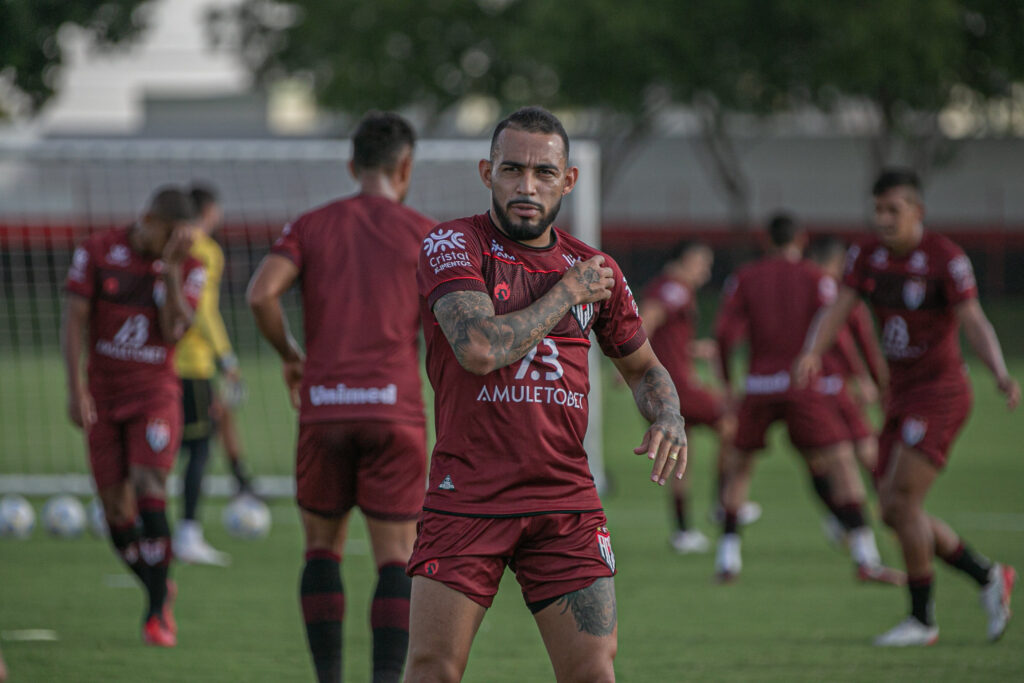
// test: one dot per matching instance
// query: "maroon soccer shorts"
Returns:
(811, 417)
(551, 554)
(143, 433)
(378, 465)
(926, 420)
(853, 416)
(699, 406)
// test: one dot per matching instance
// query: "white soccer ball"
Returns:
(17, 518)
(97, 519)
(247, 517)
(64, 517)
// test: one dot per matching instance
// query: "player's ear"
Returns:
(571, 175)
(485, 167)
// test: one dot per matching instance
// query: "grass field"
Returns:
(795, 615)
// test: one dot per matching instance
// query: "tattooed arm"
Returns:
(656, 397)
(483, 341)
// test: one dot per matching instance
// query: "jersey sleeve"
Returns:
(618, 327)
(208, 320)
(289, 243)
(81, 278)
(854, 274)
(451, 260)
(730, 324)
(958, 281)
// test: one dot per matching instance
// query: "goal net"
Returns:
(54, 193)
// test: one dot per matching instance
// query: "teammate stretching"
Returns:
(773, 302)
(668, 308)
(134, 291)
(508, 306)
(921, 287)
(362, 437)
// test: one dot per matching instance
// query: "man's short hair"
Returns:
(531, 120)
(684, 247)
(203, 195)
(172, 204)
(897, 176)
(379, 141)
(782, 229)
(825, 248)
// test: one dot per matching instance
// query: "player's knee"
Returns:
(430, 666)
(895, 506)
(597, 669)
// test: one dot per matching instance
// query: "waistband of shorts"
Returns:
(511, 515)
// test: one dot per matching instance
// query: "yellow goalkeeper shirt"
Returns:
(197, 353)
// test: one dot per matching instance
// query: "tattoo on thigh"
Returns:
(593, 607)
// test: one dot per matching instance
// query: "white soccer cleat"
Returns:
(834, 532)
(995, 599)
(689, 542)
(190, 547)
(728, 560)
(908, 633)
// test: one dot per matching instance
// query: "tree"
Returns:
(30, 53)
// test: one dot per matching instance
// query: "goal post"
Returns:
(53, 193)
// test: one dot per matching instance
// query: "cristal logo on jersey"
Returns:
(118, 255)
(880, 258)
(158, 434)
(443, 240)
(604, 546)
(913, 293)
(499, 251)
(896, 340)
(502, 291)
(674, 294)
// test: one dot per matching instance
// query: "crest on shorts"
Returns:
(604, 544)
(913, 430)
(446, 484)
(158, 434)
(913, 293)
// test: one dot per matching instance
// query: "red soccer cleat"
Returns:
(155, 632)
(879, 573)
(168, 611)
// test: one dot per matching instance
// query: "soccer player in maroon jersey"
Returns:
(668, 307)
(773, 302)
(922, 289)
(132, 292)
(508, 304)
(362, 438)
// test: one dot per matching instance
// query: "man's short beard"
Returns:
(524, 231)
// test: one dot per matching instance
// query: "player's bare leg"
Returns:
(150, 488)
(442, 625)
(750, 511)
(684, 540)
(739, 469)
(866, 451)
(322, 593)
(902, 494)
(580, 632)
(228, 430)
(389, 612)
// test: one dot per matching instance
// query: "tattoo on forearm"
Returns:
(593, 607)
(468, 321)
(655, 394)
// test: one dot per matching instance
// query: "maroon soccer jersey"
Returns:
(356, 259)
(774, 301)
(511, 442)
(843, 360)
(128, 356)
(914, 297)
(672, 338)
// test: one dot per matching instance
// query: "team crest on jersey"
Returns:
(913, 293)
(880, 258)
(918, 263)
(583, 314)
(118, 255)
(158, 434)
(446, 484)
(570, 259)
(604, 544)
(502, 291)
(913, 430)
(443, 240)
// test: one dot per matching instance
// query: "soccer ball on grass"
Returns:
(247, 517)
(64, 517)
(17, 518)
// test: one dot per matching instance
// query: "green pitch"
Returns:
(795, 615)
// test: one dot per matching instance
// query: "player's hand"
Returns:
(703, 349)
(665, 444)
(81, 409)
(807, 365)
(589, 281)
(1011, 390)
(293, 370)
(867, 392)
(233, 391)
(177, 247)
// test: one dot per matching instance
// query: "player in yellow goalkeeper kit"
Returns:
(203, 351)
